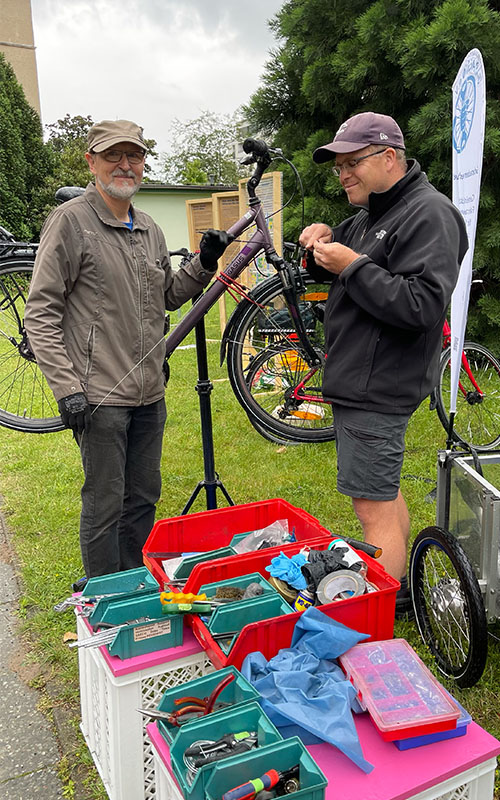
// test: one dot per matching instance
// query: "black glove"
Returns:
(212, 245)
(75, 412)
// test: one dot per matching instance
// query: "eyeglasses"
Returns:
(115, 156)
(352, 163)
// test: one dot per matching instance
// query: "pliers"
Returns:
(196, 706)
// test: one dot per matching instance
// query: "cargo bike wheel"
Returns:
(448, 605)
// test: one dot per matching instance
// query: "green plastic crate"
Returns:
(243, 718)
(128, 581)
(237, 693)
(281, 756)
(157, 633)
(239, 583)
(234, 616)
(183, 571)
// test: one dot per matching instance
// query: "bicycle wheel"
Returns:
(26, 401)
(477, 421)
(449, 608)
(271, 380)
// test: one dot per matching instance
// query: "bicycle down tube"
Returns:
(261, 239)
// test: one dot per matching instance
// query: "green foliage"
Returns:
(201, 150)
(337, 58)
(24, 159)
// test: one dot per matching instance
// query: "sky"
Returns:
(149, 60)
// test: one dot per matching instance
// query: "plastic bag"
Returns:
(303, 686)
(271, 536)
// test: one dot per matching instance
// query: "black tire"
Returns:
(477, 421)
(264, 364)
(26, 401)
(449, 608)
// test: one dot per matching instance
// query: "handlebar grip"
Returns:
(255, 146)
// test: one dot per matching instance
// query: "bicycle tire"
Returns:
(264, 364)
(449, 608)
(26, 401)
(477, 421)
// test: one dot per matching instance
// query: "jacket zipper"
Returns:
(141, 315)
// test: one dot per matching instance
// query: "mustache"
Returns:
(123, 173)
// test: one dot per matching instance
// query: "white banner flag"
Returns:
(469, 110)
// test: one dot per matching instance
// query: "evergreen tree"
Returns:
(24, 159)
(397, 57)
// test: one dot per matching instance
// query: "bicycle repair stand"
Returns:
(211, 481)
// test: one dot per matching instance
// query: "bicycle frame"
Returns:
(465, 363)
(260, 240)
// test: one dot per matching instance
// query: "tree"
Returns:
(24, 159)
(202, 150)
(398, 57)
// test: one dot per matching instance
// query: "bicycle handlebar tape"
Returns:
(255, 146)
(249, 789)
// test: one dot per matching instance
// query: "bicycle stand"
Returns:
(211, 481)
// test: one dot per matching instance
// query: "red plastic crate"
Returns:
(209, 530)
(371, 613)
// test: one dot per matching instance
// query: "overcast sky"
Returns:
(149, 60)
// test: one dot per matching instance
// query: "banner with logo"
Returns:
(469, 110)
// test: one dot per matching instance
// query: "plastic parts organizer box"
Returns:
(208, 530)
(403, 697)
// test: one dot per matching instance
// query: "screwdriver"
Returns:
(248, 790)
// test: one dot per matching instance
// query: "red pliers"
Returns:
(196, 706)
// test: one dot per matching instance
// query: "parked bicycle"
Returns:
(274, 343)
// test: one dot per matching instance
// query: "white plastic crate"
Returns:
(113, 729)
(476, 783)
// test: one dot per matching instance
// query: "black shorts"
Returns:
(370, 450)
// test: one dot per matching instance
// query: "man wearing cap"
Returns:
(393, 267)
(95, 319)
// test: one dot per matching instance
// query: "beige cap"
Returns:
(113, 131)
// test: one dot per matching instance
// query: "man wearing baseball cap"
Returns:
(95, 318)
(393, 267)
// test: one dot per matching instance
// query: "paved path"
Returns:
(29, 752)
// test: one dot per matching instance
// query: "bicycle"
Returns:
(274, 343)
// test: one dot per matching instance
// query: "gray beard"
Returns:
(118, 192)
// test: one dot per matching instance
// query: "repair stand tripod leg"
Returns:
(211, 481)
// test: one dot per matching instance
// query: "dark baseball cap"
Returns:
(113, 131)
(360, 131)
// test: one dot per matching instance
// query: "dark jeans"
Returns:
(121, 461)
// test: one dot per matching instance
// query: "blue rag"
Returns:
(302, 685)
(288, 569)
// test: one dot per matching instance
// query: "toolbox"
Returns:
(130, 581)
(230, 619)
(142, 636)
(208, 530)
(185, 568)
(282, 756)
(418, 741)
(211, 728)
(402, 696)
(237, 693)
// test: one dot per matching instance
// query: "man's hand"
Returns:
(333, 257)
(212, 245)
(75, 412)
(317, 232)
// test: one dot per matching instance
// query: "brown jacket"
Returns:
(96, 307)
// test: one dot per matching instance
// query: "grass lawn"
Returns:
(40, 478)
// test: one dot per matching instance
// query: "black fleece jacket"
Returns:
(385, 312)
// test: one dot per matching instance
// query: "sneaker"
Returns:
(404, 605)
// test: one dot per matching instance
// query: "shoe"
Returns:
(80, 584)
(404, 605)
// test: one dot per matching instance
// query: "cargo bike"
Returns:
(454, 568)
